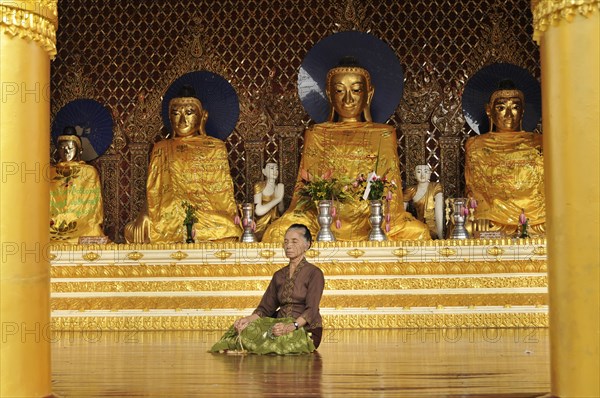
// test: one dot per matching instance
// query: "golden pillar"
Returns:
(569, 37)
(27, 43)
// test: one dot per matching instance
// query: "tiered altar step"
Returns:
(409, 284)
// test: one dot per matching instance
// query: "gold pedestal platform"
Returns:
(409, 284)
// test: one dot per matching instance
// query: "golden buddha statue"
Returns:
(191, 167)
(504, 169)
(428, 199)
(75, 193)
(268, 199)
(349, 144)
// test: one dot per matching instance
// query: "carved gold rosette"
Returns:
(550, 12)
(31, 20)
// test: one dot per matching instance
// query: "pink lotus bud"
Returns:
(388, 218)
(355, 184)
(245, 222)
(236, 220)
(465, 211)
(522, 218)
(389, 195)
(387, 227)
(333, 211)
(473, 203)
(253, 226)
(338, 223)
(193, 233)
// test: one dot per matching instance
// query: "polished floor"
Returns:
(349, 363)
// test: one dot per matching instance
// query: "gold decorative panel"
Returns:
(126, 53)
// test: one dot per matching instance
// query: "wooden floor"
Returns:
(349, 363)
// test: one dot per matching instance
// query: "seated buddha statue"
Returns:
(428, 200)
(268, 199)
(346, 145)
(75, 193)
(191, 167)
(504, 169)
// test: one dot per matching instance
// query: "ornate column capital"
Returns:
(31, 20)
(551, 12)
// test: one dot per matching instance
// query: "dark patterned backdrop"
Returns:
(125, 55)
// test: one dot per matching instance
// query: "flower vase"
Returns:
(248, 223)
(189, 228)
(325, 219)
(376, 220)
(459, 216)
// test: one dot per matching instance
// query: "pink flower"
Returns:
(327, 175)
(355, 184)
(388, 218)
(338, 223)
(473, 203)
(333, 211)
(374, 178)
(389, 195)
(253, 226)
(245, 222)
(305, 175)
(464, 211)
(387, 227)
(236, 220)
(522, 218)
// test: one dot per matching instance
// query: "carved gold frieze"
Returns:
(550, 12)
(312, 253)
(329, 269)
(540, 251)
(400, 252)
(32, 21)
(330, 322)
(328, 301)
(374, 284)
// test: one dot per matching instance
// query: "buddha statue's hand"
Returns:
(138, 230)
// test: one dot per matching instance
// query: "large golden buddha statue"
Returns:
(349, 144)
(504, 168)
(193, 167)
(75, 193)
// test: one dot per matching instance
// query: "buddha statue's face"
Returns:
(67, 151)
(349, 94)
(422, 173)
(185, 118)
(271, 171)
(506, 113)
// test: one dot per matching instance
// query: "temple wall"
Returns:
(125, 54)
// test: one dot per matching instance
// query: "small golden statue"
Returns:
(428, 199)
(75, 193)
(347, 145)
(504, 168)
(191, 167)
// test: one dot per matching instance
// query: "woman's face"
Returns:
(294, 244)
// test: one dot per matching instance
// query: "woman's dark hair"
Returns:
(303, 229)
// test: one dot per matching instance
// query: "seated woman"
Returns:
(75, 194)
(504, 169)
(428, 199)
(191, 167)
(347, 147)
(287, 320)
(268, 199)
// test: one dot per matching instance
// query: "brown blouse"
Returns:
(296, 296)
